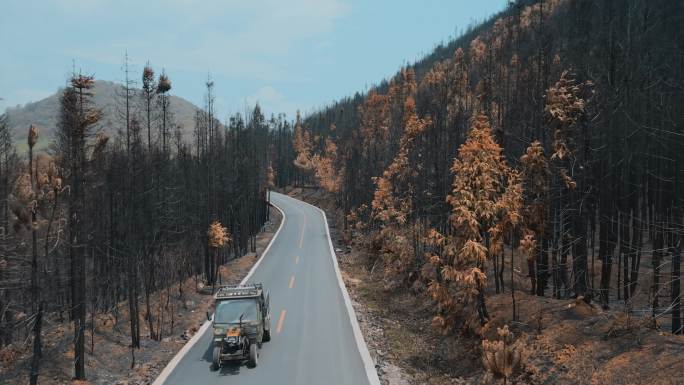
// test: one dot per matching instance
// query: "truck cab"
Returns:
(241, 323)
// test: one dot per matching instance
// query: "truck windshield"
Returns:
(229, 311)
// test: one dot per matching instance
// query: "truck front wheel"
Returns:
(216, 358)
(253, 355)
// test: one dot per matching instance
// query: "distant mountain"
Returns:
(45, 113)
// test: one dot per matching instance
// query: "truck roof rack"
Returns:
(239, 291)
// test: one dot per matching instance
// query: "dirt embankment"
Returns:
(109, 357)
(566, 341)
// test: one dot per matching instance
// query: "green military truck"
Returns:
(241, 322)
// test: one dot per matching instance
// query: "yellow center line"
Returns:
(301, 237)
(280, 321)
(291, 285)
(296, 259)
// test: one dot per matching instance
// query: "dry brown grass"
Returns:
(568, 341)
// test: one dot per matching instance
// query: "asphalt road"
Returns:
(313, 339)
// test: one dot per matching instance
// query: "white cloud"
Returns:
(240, 41)
(232, 38)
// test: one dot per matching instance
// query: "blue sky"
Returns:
(285, 54)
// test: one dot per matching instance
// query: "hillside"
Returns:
(536, 160)
(44, 114)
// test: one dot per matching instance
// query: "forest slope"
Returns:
(547, 144)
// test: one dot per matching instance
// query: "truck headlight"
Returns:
(219, 331)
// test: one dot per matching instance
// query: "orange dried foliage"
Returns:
(355, 218)
(148, 76)
(302, 145)
(536, 173)
(9, 355)
(393, 196)
(457, 85)
(565, 105)
(528, 245)
(567, 179)
(83, 82)
(388, 203)
(409, 85)
(478, 50)
(32, 136)
(270, 175)
(324, 165)
(530, 15)
(374, 115)
(218, 235)
(515, 60)
(486, 200)
(39, 196)
(101, 141)
(164, 84)
(504, 357)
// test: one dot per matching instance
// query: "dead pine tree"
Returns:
(132, 132)
(536, 174)
(566, 107)
(148, 95)
(6, 154)
(78, 116)
(35, 286)
(163, 87)
(675, 294)
(32, 139)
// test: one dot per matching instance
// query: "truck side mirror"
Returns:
(208, 316)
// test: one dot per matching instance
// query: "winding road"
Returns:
(316, 338)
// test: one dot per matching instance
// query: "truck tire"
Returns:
(267, 336)
(253, 355)
(216, 358)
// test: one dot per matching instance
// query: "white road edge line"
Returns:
(164, 375)
(368, 364)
